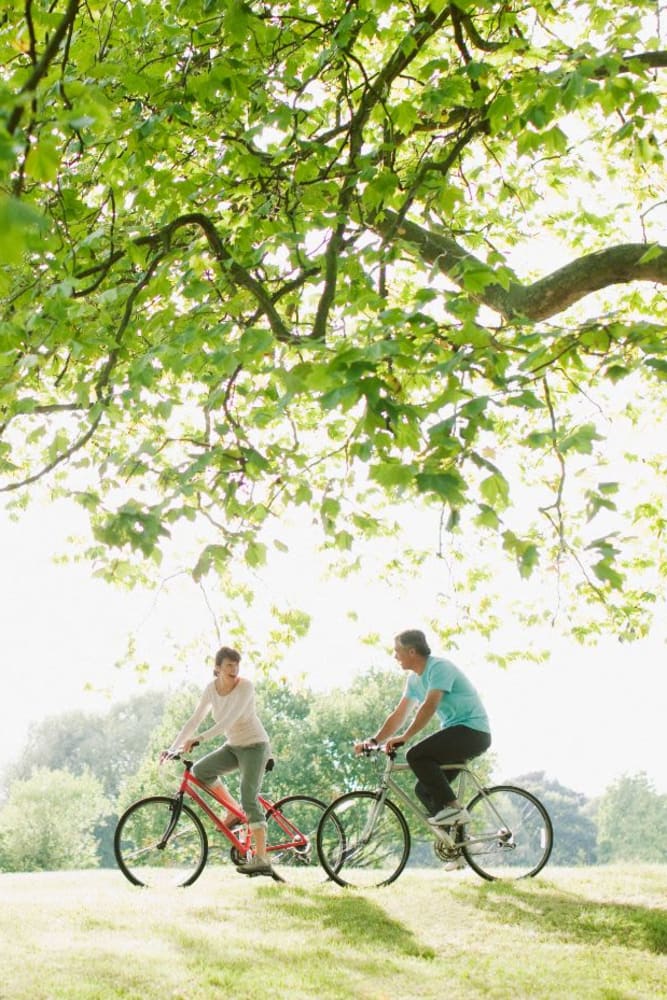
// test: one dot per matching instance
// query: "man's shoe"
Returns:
(456, 864)
(449, 816)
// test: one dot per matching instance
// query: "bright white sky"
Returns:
(586, 718)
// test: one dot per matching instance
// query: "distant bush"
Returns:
(49, 822)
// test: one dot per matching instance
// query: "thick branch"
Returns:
(544, 298)
(238, 273)
(617, 265)
(425, 26)
(656, 60)
(223, 256)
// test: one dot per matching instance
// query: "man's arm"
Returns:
(423, 716)
(393, 722)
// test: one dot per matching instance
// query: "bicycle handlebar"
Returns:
(175, 754)
(369, 748)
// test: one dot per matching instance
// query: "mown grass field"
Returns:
(590, 932)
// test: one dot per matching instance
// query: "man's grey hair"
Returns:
(414, 638)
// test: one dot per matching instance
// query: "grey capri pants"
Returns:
(250, 761)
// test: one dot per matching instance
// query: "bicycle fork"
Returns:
(176, 808)
(369, 826)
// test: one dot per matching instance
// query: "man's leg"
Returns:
(452, 745)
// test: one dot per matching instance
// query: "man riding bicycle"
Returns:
(439, 688)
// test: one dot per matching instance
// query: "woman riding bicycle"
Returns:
(231, 700)
(441, 689)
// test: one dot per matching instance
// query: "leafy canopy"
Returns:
(332, 256)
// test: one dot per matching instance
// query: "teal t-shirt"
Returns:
(460, 704)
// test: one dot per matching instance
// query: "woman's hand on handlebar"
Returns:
(393, 743)
(175, 754)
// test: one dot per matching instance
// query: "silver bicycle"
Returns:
(363, 837)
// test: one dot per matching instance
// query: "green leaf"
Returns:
(652, 253)
(449, 486)
(487, 517)
(524, 551)
(391, 475)
(17, 221)
(495, 489)
(213, 557)
(255, 554)
(43, 161)
(605, 571)
(657, 365)
(580, 440)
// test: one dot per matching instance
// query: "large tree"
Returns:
(328, 254)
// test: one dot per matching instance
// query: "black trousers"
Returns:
(455, 744)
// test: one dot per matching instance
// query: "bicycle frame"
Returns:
(195, 789)
(445, 834)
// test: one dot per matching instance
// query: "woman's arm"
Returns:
(191, 726)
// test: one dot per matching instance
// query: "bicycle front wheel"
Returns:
(143, 855)
(363, 840)
(510, 835)
(291, 839)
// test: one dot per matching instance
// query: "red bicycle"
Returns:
(161, 841)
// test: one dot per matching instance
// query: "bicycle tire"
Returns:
(296, 864)
(510, 835)
(139, 832)
(353, 855)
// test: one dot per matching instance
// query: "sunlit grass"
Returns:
(598, 933)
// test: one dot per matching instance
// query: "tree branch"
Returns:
(543, 298)
(42, 66)
(425, 26)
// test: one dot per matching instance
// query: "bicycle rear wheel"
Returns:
(291, 839)
(363, 841)
(141, 854)
(510, 835)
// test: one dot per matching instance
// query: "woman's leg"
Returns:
(452, 745)
(209, 768)
(252, 763)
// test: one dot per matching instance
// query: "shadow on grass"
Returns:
(573, 917)
(328, 943)
(354, 919)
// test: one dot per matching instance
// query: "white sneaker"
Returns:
(456, 864)
(449, 816)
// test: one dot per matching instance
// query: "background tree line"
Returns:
(62, 796)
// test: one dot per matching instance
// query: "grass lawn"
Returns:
(589, 932)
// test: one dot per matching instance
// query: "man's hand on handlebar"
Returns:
(369, 745)
(393, 743)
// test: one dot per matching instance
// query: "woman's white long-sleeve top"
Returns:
(235, 717)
